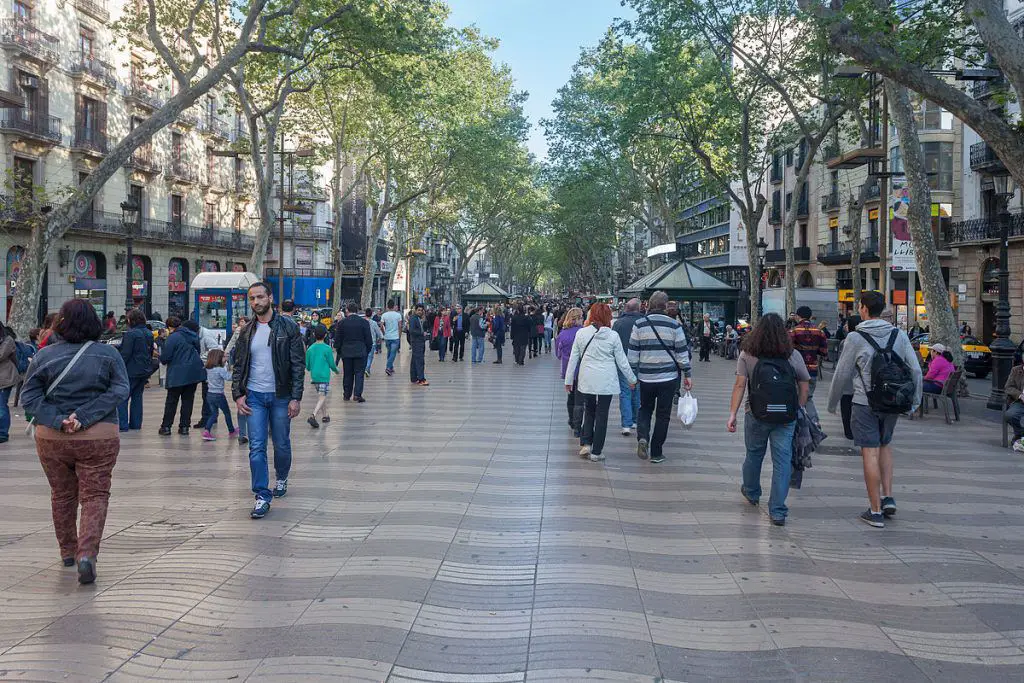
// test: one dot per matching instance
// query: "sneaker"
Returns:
(779, 521)
(633, 426)
(233, 433)
(1018, 445)
(389, 372)
(313, 423)
(626, 431)
(873, 519)
(359, 399)
(208, 436)
(325, 419)
(752, 501)
(366, 373)
(657, 459)
(584, 451)
(197, 425)
(888, 506)
(183, 431)
(423, 383)
(641, 449)
(596, 457)
(243, 440)
(260, 509)
(281, 488)
(164, 431)
(86, 570)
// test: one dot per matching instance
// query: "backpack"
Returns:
(774, 396)
(23, 355)
(892, 386)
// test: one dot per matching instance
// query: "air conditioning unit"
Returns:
(28, 80)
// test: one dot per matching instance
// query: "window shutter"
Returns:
(79, 116)
(101, 120)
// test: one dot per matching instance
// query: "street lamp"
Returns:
(762, 250)
(1002, 348)
(129, 219)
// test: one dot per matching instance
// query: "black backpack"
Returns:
(774, 397)
(892, 385)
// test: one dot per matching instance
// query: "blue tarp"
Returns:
(305, 290)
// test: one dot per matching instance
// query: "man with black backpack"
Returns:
(881, 365)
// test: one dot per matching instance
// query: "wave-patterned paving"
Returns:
(452, 534)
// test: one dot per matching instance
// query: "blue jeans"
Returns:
(442, 347)
(548, 334)
(477, 350)
(369, 360)
(756, 435)
(129, 413)
(392, 345)
(5, 413)
(629, 402)
(218, 402)
(269, 413)
(243, 424)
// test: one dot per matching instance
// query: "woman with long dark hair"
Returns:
(73, 390)
(778, 378)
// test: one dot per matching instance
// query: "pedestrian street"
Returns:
(452, 533)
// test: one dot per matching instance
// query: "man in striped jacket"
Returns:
(659, 355)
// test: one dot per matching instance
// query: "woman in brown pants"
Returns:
(73, 390)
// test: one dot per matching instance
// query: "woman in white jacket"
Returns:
(594, 365)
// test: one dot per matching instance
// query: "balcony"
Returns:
(89, 141)
(984, 159)
(239, 134)
(97, 9)
(215, 127)
(303, 231)
(30, 125)
(830, 200)
(984, 89)
(22, 37)
(874, 192)
(106, 223)
(982, 230)
(143, 161)
(305, 190)
(90, 68)
(180, 171)
(778, 256)
(842, 252)
(144, 95)
(188, 118)
(302, 272)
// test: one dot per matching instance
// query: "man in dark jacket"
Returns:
(354, 341)
(519, 330)
(269, 374)
(478, 332)
(418, 346)
(184, 373)
(460, 326)
(137, 352)
(629, 399)
(536, 331)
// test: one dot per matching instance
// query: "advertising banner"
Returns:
(401, 276)
(902, 257)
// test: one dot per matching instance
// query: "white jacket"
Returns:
(602, 363)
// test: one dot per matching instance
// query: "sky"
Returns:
(540, 42)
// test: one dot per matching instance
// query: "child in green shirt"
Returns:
(320, 363)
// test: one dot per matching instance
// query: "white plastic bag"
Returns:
(687, 409)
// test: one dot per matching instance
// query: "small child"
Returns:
(320, 363)
(216, 376)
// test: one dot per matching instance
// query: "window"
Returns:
(789, 201)
(135, 192)
(137, 71)
(86, 41)
(177, 208)
(942, 219)
(938, 164)
(90, 116)
(801, 155)
(777, 239)
(930, 116)
(238, 220)
(895, 160)
(211, 164)
(789, 157)
(210, 215)
(803, 234)
(176, 141)
(22, 10)
(776, 204)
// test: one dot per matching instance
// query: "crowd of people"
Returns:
(81, 394)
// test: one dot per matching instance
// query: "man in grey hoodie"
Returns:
(629, 399)
(872, 431)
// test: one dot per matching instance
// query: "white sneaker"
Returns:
(584, 451)
(1018, 445)
(626, 431)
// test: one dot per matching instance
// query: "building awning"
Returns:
(486, 291)
(684, 281)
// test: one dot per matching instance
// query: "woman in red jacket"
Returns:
(442, 332)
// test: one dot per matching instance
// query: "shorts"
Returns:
(322, 388)
(871, 429)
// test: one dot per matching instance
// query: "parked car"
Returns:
(977, 356)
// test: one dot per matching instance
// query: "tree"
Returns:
(197, 45)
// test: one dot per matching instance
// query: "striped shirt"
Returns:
(650, 360)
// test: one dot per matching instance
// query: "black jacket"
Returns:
(538, 324)
(137, 351)
(353, 337)
(416, 334)
(287, 352)
(181, 356)
(520, 329)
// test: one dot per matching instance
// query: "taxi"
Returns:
(977, 356)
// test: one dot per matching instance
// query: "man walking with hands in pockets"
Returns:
(270, 369)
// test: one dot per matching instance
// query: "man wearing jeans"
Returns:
(629, 399)
(392, 321)
(270, 368)
(658, 354)
(478, 331)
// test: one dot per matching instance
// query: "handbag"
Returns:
(435, 343)
(31, 428)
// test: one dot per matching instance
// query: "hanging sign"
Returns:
(400, 277)
(903, 257)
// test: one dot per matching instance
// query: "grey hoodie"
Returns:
(854, 367)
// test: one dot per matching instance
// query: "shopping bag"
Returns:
(687, 409)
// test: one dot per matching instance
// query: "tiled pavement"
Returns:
(452, 534)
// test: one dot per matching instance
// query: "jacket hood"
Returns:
(187, 332)
(876, 327)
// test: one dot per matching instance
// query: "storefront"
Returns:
(142, 289)
(177, 288)
(90, 273)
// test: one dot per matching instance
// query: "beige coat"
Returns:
(8, 364)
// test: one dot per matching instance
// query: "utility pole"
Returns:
(280, 225)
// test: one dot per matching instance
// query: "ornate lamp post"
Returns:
(762, 250)
(129, 219)
(1002, 348)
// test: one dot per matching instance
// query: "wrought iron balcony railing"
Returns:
(31, 124)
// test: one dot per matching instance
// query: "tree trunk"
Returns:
(941, 321)
(750, 221)
(338, 211)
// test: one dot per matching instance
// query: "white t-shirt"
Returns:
(549, 321)
(392, 321)
(261, 361)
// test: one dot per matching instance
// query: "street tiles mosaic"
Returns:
(451, 533)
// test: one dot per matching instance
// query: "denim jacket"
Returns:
(92, 389)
